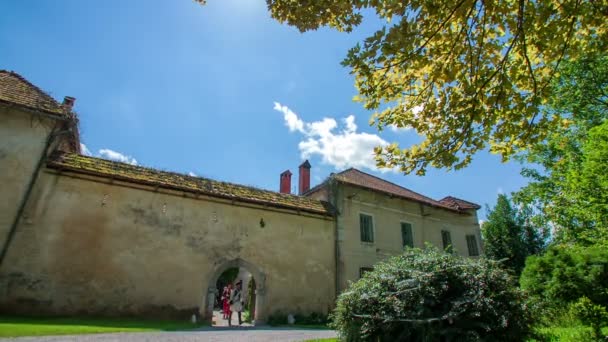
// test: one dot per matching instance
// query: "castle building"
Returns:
(83, 235)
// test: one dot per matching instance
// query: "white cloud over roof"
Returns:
(341, 148)
(116, 156)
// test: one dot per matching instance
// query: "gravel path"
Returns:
(206, 334)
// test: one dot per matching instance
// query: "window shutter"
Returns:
(362, 226)
(472, 245)
(406, 235)
(366, 224)
(447, 241)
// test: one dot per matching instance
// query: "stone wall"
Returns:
(91, 245)
(22, 139)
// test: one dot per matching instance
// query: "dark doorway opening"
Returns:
(224, 313)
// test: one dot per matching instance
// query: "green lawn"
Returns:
(573, 333)
(29, 326)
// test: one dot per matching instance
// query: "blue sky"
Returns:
(222, 91)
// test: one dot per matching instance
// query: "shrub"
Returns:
(566, 273)
(277, 318)
(431, 295)
(314, 318)
(591, 314)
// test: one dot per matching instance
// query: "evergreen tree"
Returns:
(509, 236)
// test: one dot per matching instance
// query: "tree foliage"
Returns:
(591, 314)
(569, 178)
(465, 74)
(430, 295)
(509, 236)
(566, 273)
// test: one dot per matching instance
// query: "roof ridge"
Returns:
(454, 198)
(349, 169)
(386, 181)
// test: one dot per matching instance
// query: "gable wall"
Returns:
(22, 139)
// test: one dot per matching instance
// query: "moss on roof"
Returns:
(17, 90)
(170, 180)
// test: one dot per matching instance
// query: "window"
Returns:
(446, 238)
(364, 270)
(406, 235)
(472, 245)
(367, 228)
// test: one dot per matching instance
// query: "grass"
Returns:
(572, 333)
(39, 326)
(324, 340)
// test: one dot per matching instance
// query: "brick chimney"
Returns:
(304, 177)
(285, 182)
(68, 102)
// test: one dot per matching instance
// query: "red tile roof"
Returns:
(17, 90)
(459, 203)
(197, 185)
(359, 178)
(362, 179)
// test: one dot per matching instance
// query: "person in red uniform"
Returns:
(226, 301)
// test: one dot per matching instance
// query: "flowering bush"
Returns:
(431, 295)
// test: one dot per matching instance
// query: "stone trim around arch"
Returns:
(260, 280)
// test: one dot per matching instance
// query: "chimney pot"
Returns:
(68, 102)
(285, 184)
(304, 177)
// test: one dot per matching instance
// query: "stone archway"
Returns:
(260, 291)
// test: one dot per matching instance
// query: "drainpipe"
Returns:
(11, 233)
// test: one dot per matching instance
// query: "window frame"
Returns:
(411, 233)
(373, 233)
(474, 243)
(363, 270)
(450, 246)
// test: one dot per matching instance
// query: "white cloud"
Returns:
(84, 150)
(291, 119)
(116, 156)
(192, 174)
(342, 149)
(399, 129)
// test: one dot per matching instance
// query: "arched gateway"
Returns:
(260, 290)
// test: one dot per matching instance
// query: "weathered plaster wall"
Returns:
(388, 213)
(22, 139)
(94, 247)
